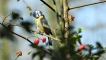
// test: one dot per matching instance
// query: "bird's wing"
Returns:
(46, 26)
(45, 23)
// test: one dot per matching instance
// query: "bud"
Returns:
(19, 53)
(71, 18)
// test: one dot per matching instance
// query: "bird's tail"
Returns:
(49, 41)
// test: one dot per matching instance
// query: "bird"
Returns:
(42, 24)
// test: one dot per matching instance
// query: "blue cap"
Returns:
(37, 13)
(34, 13)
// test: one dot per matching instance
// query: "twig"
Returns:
(15, 24)
(3, 17)
(27, 6)
(50, 7)
(30, 37)
(49, 36)
(16, 57)
(16, 33)
(52, 37)
(54, 31)
(23, 38)
(86, 5)
(6, 17)
(25, 3)
(20, 35)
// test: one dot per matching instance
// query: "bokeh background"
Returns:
(91, 18)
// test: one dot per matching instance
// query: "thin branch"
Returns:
(86, 5)
(16, 33)
(15, 24)
(30, 37)
(48, 5)
(52, 37)
(48, 36)
(6, 17)
(16, 57)
(3, 17)
(12, 31)
(27, 5)
(23, 38)
(54, 31)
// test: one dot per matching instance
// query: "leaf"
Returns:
(79, 30)
(34, 54)
(18, 0)
(21, 17)
(99, 45)
(29, 8)
(31, 13)
(29, 52)
(15, 15)
(27, 25)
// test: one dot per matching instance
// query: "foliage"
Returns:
(65, 40)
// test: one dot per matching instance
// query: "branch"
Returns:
(5, 18)
(27, 6)
(48, 36)
(30, 37)
(50, 7)
(23, 38)
(86, 5)
(66, 20)
(16, 33)
(52, 37)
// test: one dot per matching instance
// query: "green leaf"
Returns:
(21, 17)
(79, 30)
(31, 13)
(99, 45)
(29, 8)
(29, 52)
(18, 0)
(34, 54)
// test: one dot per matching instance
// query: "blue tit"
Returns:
(42, 24)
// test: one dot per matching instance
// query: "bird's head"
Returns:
(37, 13)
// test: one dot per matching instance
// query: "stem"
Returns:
(65, 13)
(86, 5)
(50, 7)
(16, 33)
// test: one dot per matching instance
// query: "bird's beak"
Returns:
(37, 17)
